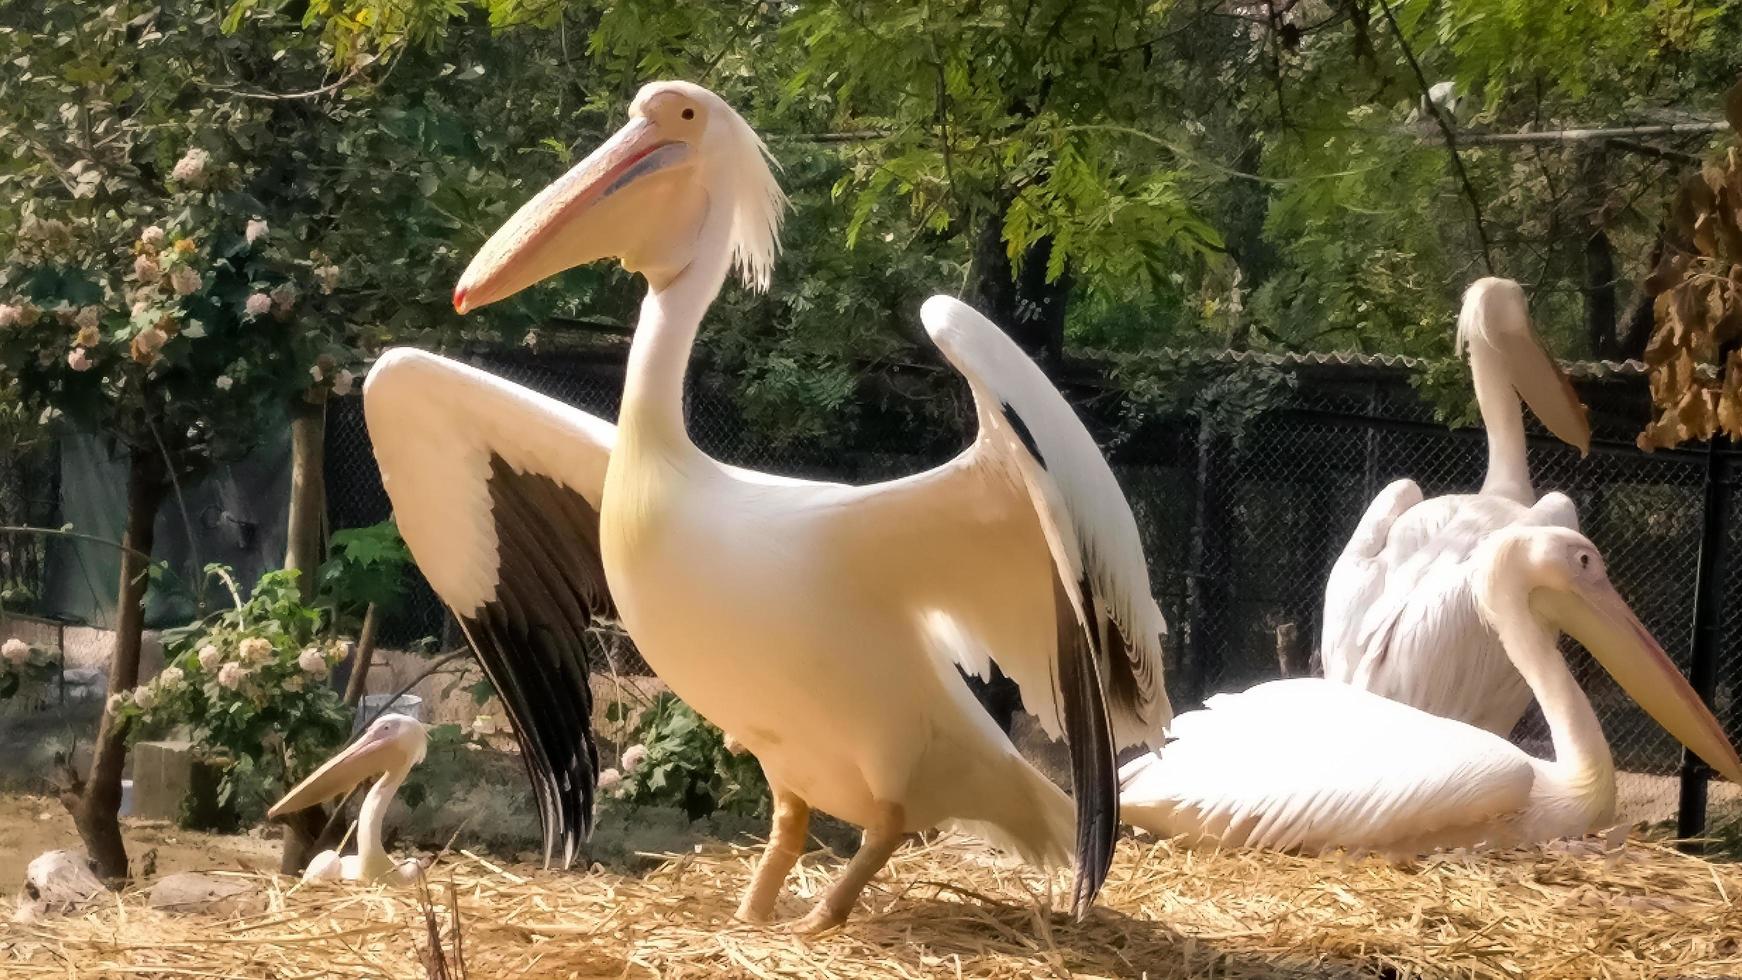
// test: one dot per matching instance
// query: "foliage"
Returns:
(683, 763)
(149, 291)
(449, 761)
(365, 566)
(1207, 175)
(250, 686)
(1698, 290)
(25, 667)
(1225, 398)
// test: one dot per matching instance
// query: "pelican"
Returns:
(1311, 764)
(1400, 618)
(818, 624)
(389, 748)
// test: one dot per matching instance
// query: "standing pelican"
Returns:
(389, 748)
(817, 624)
(1400, 617)
(1311, 764)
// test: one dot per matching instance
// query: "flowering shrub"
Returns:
(195, 326)
(681, 761)
(250, 686)
(23, 667)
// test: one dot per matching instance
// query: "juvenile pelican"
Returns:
(1312, 764)
(389, 748)
(817, 624)
(1400, 616)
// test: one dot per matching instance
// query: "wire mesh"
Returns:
(29, 497)
(1242, 528)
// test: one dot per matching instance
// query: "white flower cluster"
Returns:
(191, 168)
(633, 757)
(312, 661)
(255, 650)
(15, 652)
(231, 676)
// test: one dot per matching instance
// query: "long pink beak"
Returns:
(548, 234)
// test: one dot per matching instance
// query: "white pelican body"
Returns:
(388, 749)
(1400, 618)
(817, 624)
(1312, 764)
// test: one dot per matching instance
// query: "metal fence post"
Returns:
(1708, 620)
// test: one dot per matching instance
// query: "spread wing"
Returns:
(1026, 547)
(496, 491)
(1308, 764)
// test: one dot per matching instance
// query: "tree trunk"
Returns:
(1022, 302)
(358, 684)
(1601, 304)
(95, 801)
(1600, 299)
(304, 539)
(308, 498)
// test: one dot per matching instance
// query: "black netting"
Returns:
(1242, 522)
(29, 497)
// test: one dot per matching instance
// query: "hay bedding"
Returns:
(944, 909)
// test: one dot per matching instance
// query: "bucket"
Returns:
(373, 706)
(126, 799)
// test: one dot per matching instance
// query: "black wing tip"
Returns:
(1094, 764)
(1022, 432)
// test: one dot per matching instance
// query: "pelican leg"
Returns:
(875, 847)
(792, 819)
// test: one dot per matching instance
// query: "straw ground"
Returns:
(944, 908)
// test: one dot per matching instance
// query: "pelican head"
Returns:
(1496, 316)
(390, 746)
(643, 197)
(1557, 575)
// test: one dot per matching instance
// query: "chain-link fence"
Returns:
(1242, 522)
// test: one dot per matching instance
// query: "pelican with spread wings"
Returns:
(818, 624)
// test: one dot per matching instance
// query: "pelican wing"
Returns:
(1308, 764)
(496, 491)
(1358, 578)
(1023, 550)
(1400, 618)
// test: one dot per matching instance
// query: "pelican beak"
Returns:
(606, 206)
(1549, 393)
(1597, 616)
(371, 755)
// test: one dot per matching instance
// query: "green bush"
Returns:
(681, 761)
(250, 685)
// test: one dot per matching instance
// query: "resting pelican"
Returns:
(389, 748)
(1400, 618)
(817, 624)
(1312, 764)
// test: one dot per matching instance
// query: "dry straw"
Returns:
(944, 909)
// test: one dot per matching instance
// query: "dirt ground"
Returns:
(30, 825)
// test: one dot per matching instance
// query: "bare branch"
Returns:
(314, 93)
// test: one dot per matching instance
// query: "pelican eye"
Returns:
(1585, 561)
(689, 113)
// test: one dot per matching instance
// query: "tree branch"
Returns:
(313, 93)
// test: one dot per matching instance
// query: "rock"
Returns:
(84, 677)
(55, 883)
(83, 684)
(195, 893)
